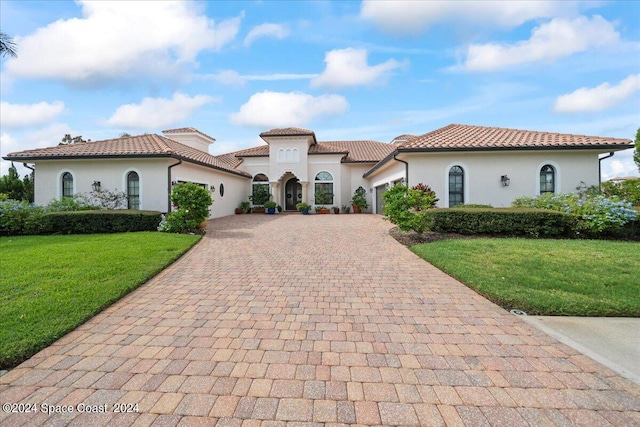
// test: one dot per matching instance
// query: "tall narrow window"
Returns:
(324, 189)
(456, 186)
(67, 184)
(133, 191)
(547, 179)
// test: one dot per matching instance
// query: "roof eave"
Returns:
(605, 147)
(86, 156)
(381, 163)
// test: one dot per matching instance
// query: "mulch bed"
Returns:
(411, 238)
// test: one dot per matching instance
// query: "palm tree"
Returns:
(7, 46)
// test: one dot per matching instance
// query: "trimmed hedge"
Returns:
(102, 221)
(502, 221)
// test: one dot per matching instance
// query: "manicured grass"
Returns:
(545, 277)
(51, 284)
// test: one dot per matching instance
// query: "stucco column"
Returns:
(274, 192)
(304, 184)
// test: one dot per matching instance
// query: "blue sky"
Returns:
(346, 70)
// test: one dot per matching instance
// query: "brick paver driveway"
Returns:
(313, 319)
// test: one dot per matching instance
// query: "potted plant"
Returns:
(245, 207)
(322, 197)
(303, 208)
(335, 209)
(270, 206)
(359, 200)
(259, 197)
(346, 209)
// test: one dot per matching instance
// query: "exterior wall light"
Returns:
(96, 185)
(505, 180)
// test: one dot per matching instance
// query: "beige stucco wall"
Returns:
(483, 171)
(154, 183)
(355, 171)
(327, 163)
(112, 175)
(235, 187)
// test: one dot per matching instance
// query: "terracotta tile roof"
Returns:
(457, 136)
(478, 138)
(359, 151)
(354, 151)
(149, 145)
(402, 139)
(287, 131)
(187, 130)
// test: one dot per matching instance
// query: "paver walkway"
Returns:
(292, 319)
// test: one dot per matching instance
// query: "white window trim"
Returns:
(59, 182)
(332, 182)
(556, 178)
(125, 185)
(465, 182)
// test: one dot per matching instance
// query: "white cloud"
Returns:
(118, 38)
(158, 112)
(550, 41)
(15, 116)
(348, 67)
(231, 77)
(620, 165)
(266, 30)
(412, 17)
(277, 109)
(598, 98)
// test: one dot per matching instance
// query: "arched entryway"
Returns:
(292, 194)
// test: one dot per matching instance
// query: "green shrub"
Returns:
(628, 189)
(596, 214)
(502, 221)
(99, 221)
(270, 205)
(474, 206)
(359, 198)
(408, 207)
(69, 204)
(192, 203)
(13, 216)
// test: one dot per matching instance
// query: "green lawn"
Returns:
(545, 277)
(51, 284)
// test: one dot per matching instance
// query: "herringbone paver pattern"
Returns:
(313, 320)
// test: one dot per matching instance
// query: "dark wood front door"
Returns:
(292, 194)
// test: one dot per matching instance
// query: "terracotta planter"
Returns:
(238, 211)
(356, 209)
(324, 211)
(258, 210)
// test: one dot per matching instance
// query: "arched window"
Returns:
(133, 190)
(324, 188)
(67, 184)
(547, 179)
(456, 186)
(260, 190)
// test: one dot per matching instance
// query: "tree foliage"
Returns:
(67, 139)
(7, 46)
(408, 207)
(15, 188)
(636, 154)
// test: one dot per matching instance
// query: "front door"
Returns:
(292, 194)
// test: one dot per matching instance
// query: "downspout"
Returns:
(169, 185)
(600, 159)
(406, 168)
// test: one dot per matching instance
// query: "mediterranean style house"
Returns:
(461, 163)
